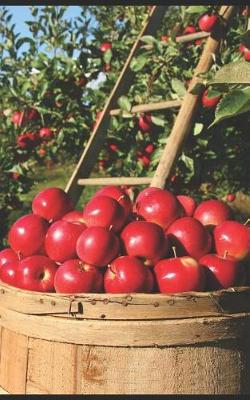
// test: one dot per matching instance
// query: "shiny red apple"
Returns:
(36, 273)
(17, 118)
(212, 212)
(97, 246)
(104, 211)
(8, 272)
(61, 239)
(75, 217)
(180, 274)
(206, 22)
(126, 274)
(159, 206)
(52, 204)
(189, 237)
(188, 204)
(105, 46)
(118, 194)
(222, 272)
(6, 256)
(27, 235)
(209, 102)
(233, 239)
(45, 133)
(74, 276)
(145, 122)
(145, 240)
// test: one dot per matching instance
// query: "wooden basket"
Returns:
(125, 344)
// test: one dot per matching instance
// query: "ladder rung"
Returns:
(192, 36)
(122, 180)
(162, 105)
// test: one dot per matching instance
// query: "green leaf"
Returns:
(198, 128)
(189, 162)
(213, 93)
(233, 103)
(178, 87)
(138, 63)
(237, 72)
(124, 103)
(196, 9)
(158, 121)
(107, 56)
(148, 39)
(198, 89)
(245, 39)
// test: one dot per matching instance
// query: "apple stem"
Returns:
(225, 254)
(19, 255)
(121, 197)
(174, 251)
(247, 221)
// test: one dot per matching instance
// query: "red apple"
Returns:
(6, 256)
(209, 102)
(232, 238)
(31, 114)
(144, 194)
(105, 46)
(149, 149)
(188, 204)
(145, 240)
(61, 238)
(74, 276)
(144, 159)
(126, 274)
(27, 140)
(36, 273)
(97, 246)
(145, 122)
(104, 211)
(159, 206)
(164, 38)
(45, 133)
(207, 22)
(189, 29)
(189, 237)
(222, 272)
(230, 197)
(180, 274)
(212, 212)
(8, 273)
(17, 118)
(75, 217)
(247, 55)
(27, 234)
(118, 194)
(51, 204)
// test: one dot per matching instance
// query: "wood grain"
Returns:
(121, 180)
(134, 306)
(145, 333)
(161, 105)
(13, 364)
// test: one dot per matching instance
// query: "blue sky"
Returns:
(22, 13)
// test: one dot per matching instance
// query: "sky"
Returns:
(22, 13)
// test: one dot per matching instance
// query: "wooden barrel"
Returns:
(192, 343)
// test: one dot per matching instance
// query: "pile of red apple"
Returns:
(160, 243)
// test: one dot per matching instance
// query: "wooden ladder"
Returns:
(182, 125)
